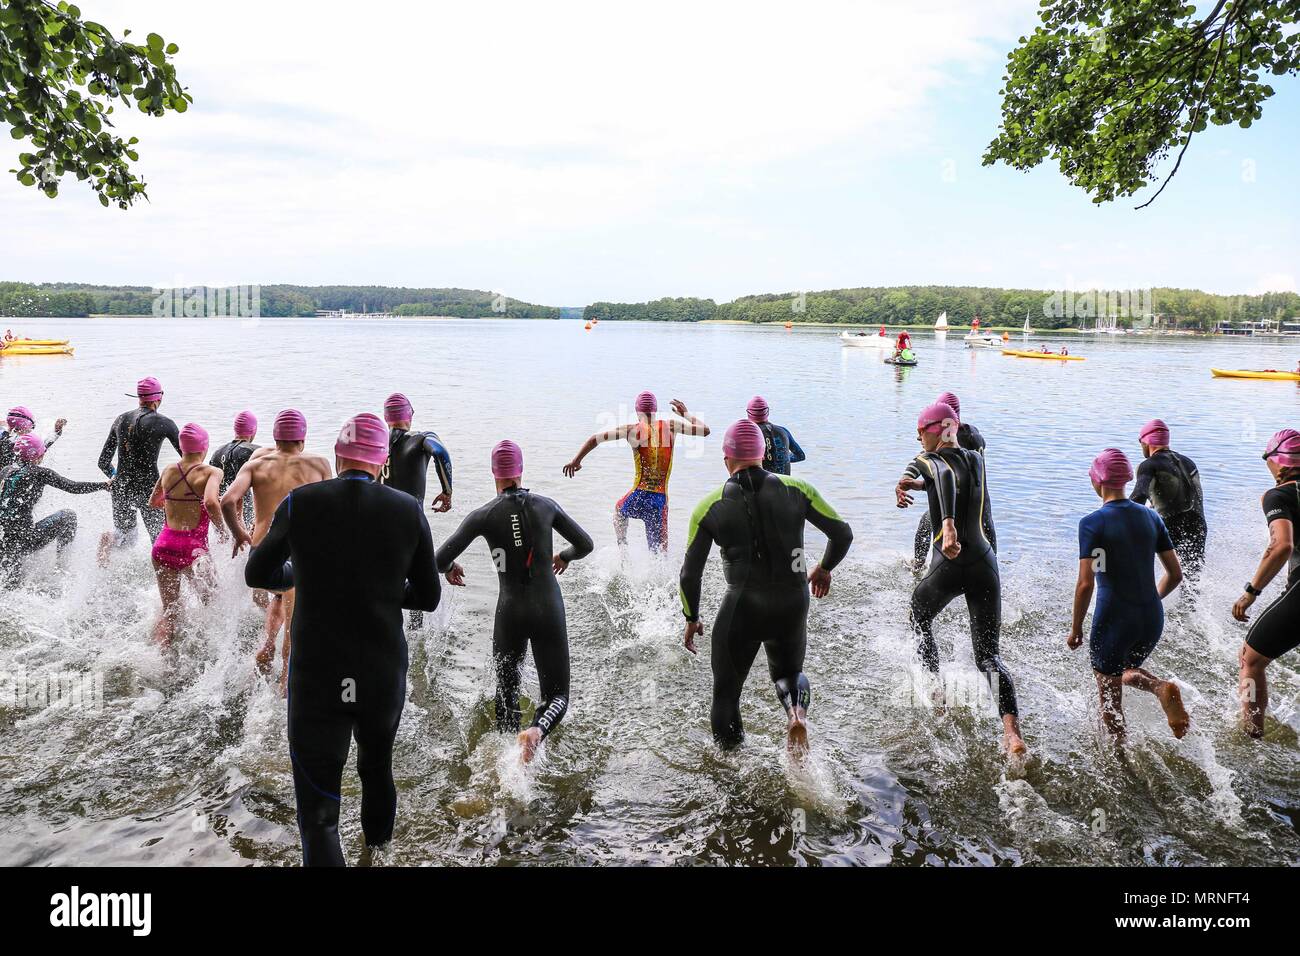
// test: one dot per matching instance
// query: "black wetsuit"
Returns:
(1277, 628)
(1173, 484)
(955, 485)
(407, 469)
(780, 450)
(135, 438)
(517, 526)
(21, 488)
(231, 457)
(7, 456)
(968, 437)
(757, 519)
(356, 553)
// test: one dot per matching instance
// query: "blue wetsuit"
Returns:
(780, 449)
(1123, 538)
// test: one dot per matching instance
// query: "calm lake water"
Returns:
(186, 761)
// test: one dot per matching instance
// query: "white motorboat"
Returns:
(866, 340)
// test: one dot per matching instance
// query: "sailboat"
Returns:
(1028, 330)
(941, 325)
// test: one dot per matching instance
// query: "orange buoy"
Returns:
(587, 327)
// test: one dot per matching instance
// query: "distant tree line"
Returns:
(660, 310)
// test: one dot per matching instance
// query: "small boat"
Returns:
(1024, 353)
(902, 363)
(866, 340)
(941, 324)
(36, 350)
(1270, 374)
(1028, 330)
(975, 340)
(27, 342)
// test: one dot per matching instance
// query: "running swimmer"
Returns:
(21, 422)
(964, 561)
(357, 553)
(135, 439)
(968, 437)
(183, 540)
(1277, 630)
(271, 473)
(234, 455)
(652, 440)
(757, 520)
(518, 527)
(1118, 545)
(780, 450)
(21, 486)
(1173, 484)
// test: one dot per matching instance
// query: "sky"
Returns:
(566, 153)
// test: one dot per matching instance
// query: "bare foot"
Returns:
(1012, 742)
(796, 737)
(284, 681)
(105, 548)
(529, 741)
(1171, 700)
(265, 655)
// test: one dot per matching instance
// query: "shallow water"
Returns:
(185, 760)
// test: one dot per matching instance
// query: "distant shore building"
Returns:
(345, 314)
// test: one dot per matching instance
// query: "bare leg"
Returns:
(620, 528)
(796, 732)
(1011, 739)
(169, 589)
(1167, 692)
(1111, 691)
(529, 741)
(289, 598)
(274, 618)
(1252, 687)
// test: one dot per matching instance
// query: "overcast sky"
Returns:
(564, 153)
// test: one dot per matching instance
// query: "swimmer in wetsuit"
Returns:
(135, 439)
(1173, 484)
(968, 437)
(234, 455)
(1118, 546)
(757, 520)
(1277, 630)
(780, 450)
(652, 440)
(21, 486)
(21, 422)
(964, 562)
(517, 526)
(357, 553)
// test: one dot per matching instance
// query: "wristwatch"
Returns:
(1252, 590)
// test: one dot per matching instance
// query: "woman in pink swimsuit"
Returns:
(190, 493)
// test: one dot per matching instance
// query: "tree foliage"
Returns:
(1109, 88)
(60, 77)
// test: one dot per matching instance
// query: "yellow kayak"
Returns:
(1018, 353)
(36, 350)
(23, 343)
(1241, 373)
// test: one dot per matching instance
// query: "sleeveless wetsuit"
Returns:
(517, 526)
(356, 553)
(757, 519)
(780, 450)
(954, 483)
(1173, 484)
(1277, 629)
(177, 549)
(408, 462)
(1122, 538)
(21, 488)
(135, 438)
(652, 454)
(968, 437)
(231, 457)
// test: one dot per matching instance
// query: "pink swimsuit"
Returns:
(179, 549)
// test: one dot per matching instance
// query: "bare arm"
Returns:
(589, 446)
(232, 504)
(1281, 542)
(158, 495)
(692, 425)
(1173, 573)
(212, 498)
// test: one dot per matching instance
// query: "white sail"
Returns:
(942, 322)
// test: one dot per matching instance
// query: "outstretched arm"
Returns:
(692, 425)
(268, 565)
(54, 480)
(589, 446)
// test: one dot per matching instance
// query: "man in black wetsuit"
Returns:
(21, 486)
(234, 454)
(968, 437)
(964, 561)
(407, 468)
(357, 554)
(781, 450)
(757, 519)
(517, 526)
(1173, 484)
(135, 438)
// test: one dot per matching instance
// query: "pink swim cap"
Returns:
(744, 442)
(647, 403)
(507, 460)
(148, 388)
(1284, 448)
(245, 424)
(938, 417)
(949, 399)
(363, 438)
(290, 425)
(20, 419)
(1111, 469)
(397, 408)
(194, 438)
(29, 447)
(757, 409)
(1154, 432)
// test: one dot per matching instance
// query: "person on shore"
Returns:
(270, 474)
(357, 554)
(135, 440)
(183, 541)
(757, 520)
(1118, 546)
(234, 455)
(780, 450)
(1172, 483)
(20, 421)
(968, 437)
(518, 527)
(1277, 630)
(22, 483)
(652, 441)
(964, 562)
